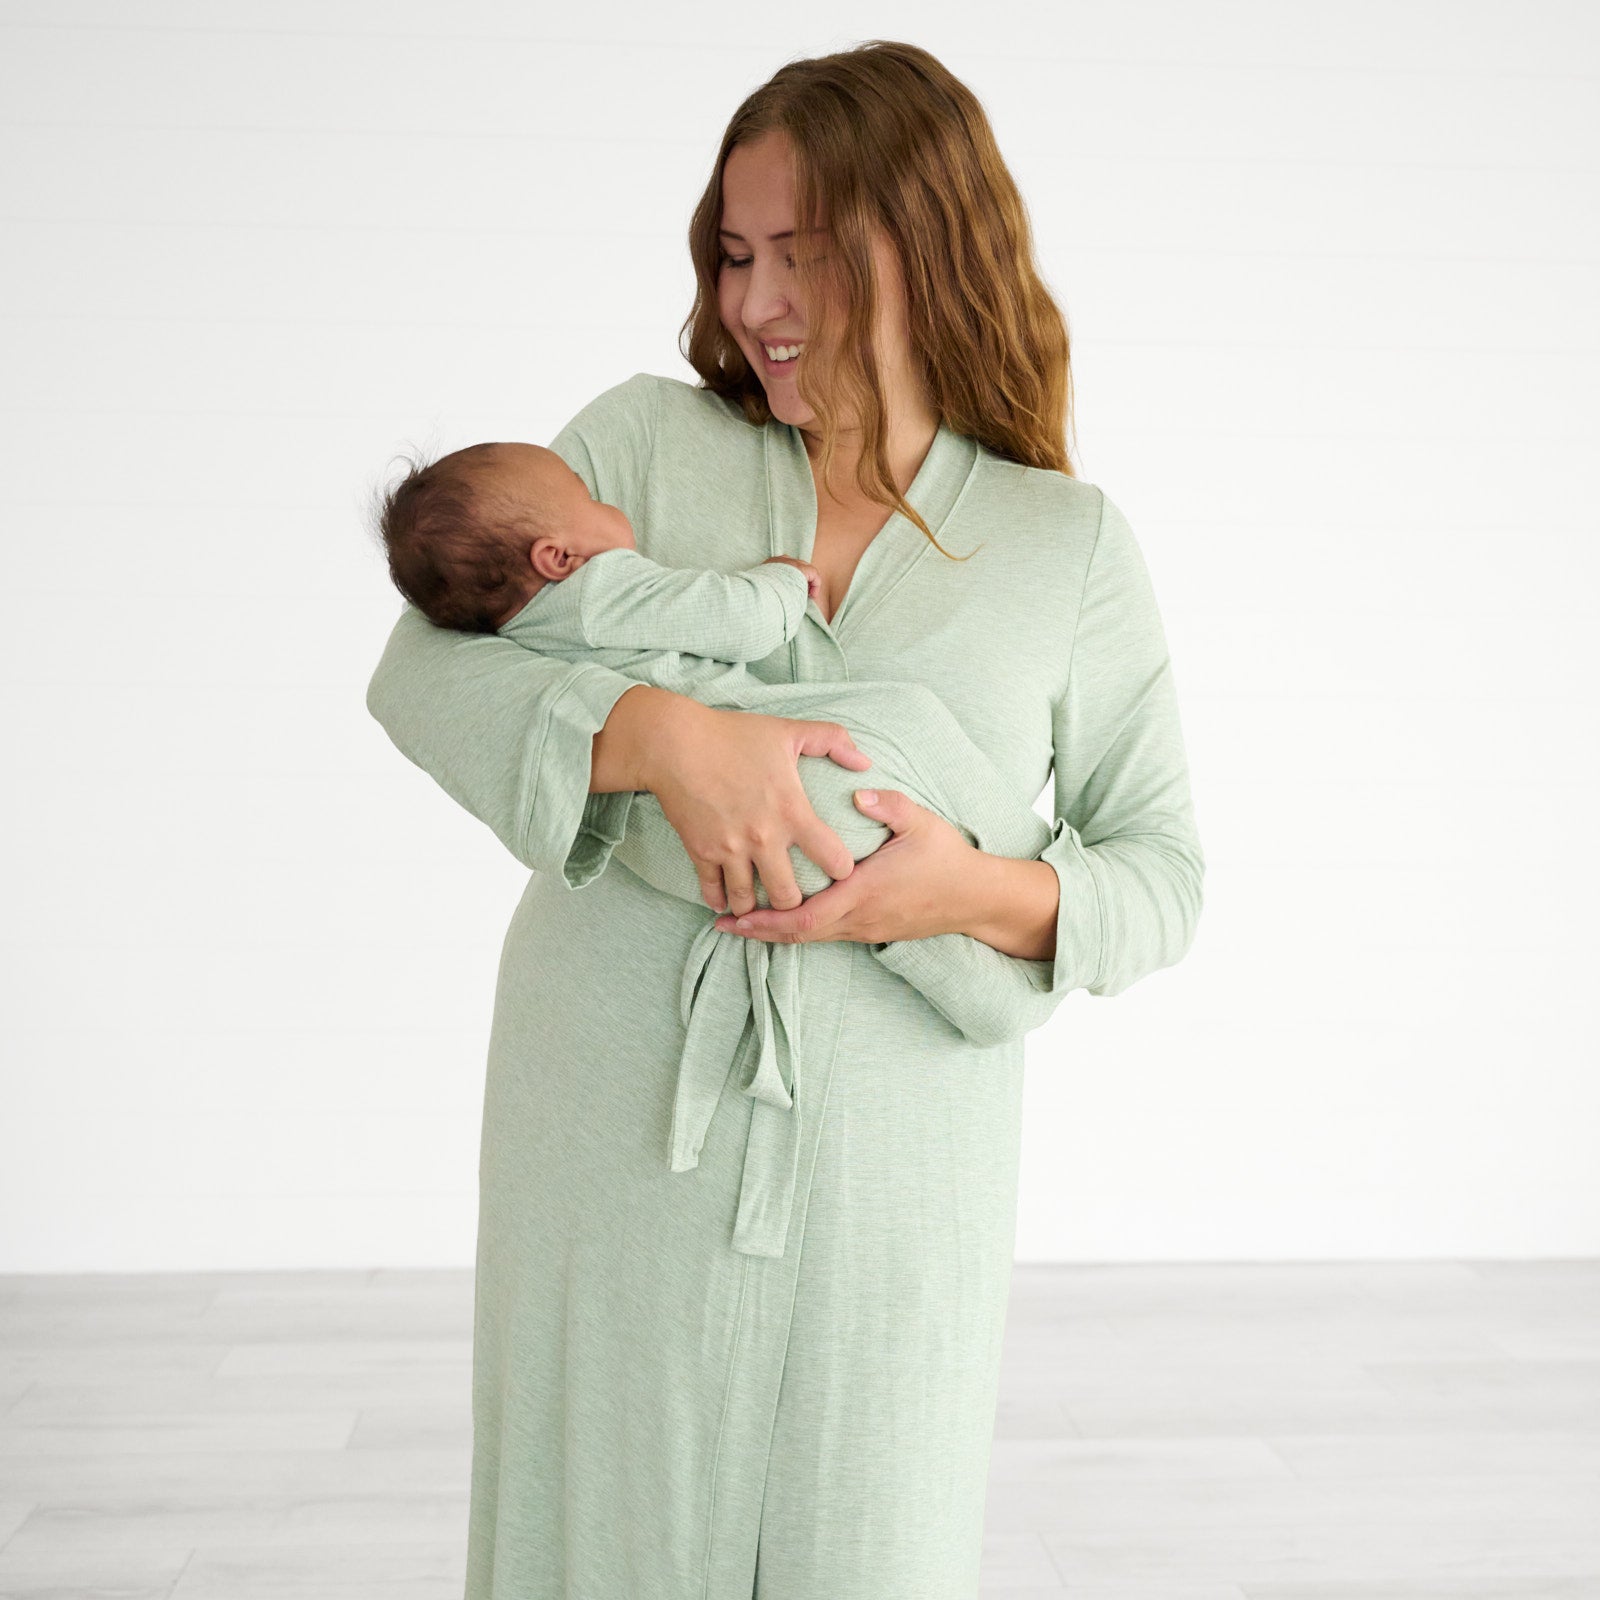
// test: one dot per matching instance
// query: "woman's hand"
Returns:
(924, 879)
(729, 783)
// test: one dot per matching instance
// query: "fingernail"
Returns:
(741, 922)
(868, 797)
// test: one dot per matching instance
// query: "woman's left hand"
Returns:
(919, 882)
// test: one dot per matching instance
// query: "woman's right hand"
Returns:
(729, 783)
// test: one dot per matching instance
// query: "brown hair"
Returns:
(884, 135)
(458, 548)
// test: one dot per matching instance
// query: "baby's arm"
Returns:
(633, 603)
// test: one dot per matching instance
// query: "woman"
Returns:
(656, 1413)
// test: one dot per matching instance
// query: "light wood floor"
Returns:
(1412, 1431)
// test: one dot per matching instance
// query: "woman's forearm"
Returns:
(643, 719)
(1014, 906)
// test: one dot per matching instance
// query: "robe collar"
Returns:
(940, 481)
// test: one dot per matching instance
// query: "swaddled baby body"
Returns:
(507, 539)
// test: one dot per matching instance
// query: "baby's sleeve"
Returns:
(629, 602)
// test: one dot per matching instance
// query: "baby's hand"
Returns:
(813, 577)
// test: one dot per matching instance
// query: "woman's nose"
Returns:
(766, 301)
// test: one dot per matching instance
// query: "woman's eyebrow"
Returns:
(728, 232)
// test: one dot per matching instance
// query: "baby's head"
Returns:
(473, 536)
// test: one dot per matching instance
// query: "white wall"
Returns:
(1330, 274)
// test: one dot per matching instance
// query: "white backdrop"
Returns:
(1330, 274)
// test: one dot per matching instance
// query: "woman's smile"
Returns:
(778, 369)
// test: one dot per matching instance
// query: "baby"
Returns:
(506, 538)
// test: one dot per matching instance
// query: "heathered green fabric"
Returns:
(739, 997)
(655, 1410)
(623, 610)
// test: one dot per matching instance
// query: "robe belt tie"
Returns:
(722, 986)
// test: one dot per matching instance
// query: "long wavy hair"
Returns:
(885, 136)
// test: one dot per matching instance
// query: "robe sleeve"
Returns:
(505, 732)
(1124, 844)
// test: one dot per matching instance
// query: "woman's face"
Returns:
(757, 295)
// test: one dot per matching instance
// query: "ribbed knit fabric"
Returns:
(788, 1345)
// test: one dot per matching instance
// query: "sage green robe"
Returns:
(658, 1413)
(739, 999)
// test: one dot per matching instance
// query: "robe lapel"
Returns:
(895, 549)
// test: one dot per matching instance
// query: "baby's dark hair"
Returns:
(457, 547)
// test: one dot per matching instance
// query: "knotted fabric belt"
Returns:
(919, 748)
(715, 1004)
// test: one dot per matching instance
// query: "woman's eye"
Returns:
(744, 261)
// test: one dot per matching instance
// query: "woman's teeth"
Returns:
(782, 352)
